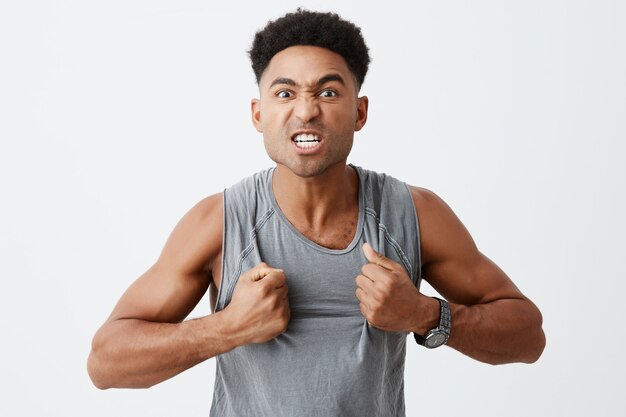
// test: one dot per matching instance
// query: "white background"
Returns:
(116, 117)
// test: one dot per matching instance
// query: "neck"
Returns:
(315, 201)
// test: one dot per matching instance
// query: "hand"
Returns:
(388, 298)
(259, 309)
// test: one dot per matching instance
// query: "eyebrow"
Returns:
(325, 79)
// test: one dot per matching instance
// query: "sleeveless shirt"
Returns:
(330, 361)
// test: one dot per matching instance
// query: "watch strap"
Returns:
(442, 328)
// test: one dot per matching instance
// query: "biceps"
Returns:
(474, 280)
(162, 296)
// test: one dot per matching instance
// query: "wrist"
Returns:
(428, 315)
(438, 335)
(226, 331)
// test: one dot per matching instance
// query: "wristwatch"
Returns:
(440, 334)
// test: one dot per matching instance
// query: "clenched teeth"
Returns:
(306, 140)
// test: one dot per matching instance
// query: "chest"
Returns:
(321, 284)
(338, 236)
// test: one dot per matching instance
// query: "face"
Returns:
(308, 110)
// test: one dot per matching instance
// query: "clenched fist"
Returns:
(388, 299)
(259, 309)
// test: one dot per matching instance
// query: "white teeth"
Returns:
(303, 137)
(306, 141)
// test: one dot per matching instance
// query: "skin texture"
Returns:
(492, 321)
(293, 99)
(307, 89)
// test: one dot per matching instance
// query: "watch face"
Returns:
(436, 340)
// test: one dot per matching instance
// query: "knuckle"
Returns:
(387, 293)
(383, 300)
(384, 286)
(264, 289)
(363, 310)
(273, 302)
(374, 316)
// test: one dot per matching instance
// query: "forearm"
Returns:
(502, 331)
(132, 353)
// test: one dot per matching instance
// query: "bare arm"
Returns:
(145, 340)
(492, 321)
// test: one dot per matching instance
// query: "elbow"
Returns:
(103, 374)
(109, 364)
(98, 363)
(529, 343)
(537, 338)
(531, 352)
(537, 346)
(95, 372)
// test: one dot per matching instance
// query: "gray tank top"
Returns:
(330, 361)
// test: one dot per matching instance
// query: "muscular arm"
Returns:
(145, 340)
(492, 321)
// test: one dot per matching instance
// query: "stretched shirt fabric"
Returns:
(330, 361)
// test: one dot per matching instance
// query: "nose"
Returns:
(306, 108)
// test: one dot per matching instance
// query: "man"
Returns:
(313, 266)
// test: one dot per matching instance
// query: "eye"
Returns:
(283, 94)
(328, 93)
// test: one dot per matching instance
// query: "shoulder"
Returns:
(442, 232)
(379, 187)
(211, 209)
(206, 214)
(197, 237)
(426, 200)
(207, 208)
(423, 198)
(248, 199)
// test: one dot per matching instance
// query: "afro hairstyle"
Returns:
(303, 27)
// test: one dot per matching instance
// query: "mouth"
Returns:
(306, 140)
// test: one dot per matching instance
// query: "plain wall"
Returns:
(117, 117)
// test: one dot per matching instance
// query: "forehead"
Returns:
(305, 65)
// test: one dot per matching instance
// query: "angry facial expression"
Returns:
(308, 110)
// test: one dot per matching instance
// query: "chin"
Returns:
(307, 172)
(311, 170)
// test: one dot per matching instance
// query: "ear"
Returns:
(361, 115)
(255, 107)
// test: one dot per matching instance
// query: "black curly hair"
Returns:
(304, 27)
